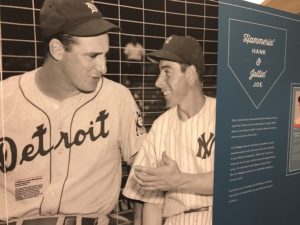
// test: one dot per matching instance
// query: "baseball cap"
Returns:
(75, 17)
(182, 49)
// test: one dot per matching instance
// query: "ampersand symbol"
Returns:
(258, 62)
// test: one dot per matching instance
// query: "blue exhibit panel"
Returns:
(257, 159)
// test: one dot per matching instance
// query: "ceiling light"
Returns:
(255, 1)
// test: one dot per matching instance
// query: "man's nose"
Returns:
(100, 65)
(159, 81)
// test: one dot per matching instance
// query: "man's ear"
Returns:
(56, 49)
(192, 74)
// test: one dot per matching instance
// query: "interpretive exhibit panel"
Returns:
(257, 161)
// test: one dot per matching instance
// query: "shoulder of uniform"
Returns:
(10, 93)
(167, 114)
(114, 84)
(10, 85)
(116, 90)
(211, 101)
(209, 98)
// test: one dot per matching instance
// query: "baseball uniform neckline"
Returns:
(178, 108)
(75, 98)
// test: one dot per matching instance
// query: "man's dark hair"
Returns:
(184, 67)
(67, 41)
(299, 99)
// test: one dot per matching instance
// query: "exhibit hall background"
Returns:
(150, 21)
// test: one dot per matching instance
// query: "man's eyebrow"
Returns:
(165, 67)
(98, 53)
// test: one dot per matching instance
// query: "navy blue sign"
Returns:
(257, 159)
(255, 58)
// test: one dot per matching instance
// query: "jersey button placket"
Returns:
(59, 173)
(59, 165)
(60, 126)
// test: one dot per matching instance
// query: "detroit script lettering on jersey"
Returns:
(9, 152)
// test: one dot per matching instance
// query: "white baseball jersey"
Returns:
(64, 157)
(191, 144)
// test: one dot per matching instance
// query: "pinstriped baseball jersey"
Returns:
(64, 157)
(191, 144)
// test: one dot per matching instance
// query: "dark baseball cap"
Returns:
(75, 17)
(182, 49)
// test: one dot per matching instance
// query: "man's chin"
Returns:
(87, 90)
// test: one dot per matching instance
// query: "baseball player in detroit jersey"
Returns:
(173, 172)
(64, 125)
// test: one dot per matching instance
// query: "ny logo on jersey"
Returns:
(205, 147)
(92, 7)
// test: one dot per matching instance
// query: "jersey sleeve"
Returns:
(132, 130)
(145, 157)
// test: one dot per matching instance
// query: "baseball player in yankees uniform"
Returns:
(173, 172)
(64, 125)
